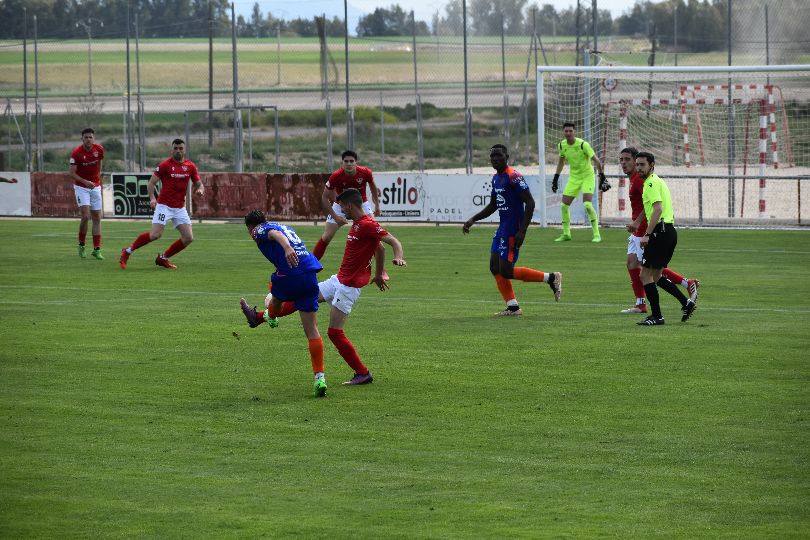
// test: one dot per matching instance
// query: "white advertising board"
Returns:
(15, 194)
(454, 198)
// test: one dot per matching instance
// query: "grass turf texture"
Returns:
(128, 406)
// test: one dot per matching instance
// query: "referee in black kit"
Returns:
(659, 241)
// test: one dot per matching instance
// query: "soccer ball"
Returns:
(268, 300)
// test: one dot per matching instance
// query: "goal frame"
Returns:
(540, 94)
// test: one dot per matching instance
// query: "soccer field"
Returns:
(139, 403)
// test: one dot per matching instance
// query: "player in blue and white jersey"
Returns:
(511, 197)
(295, 281)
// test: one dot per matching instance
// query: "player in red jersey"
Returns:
(174, 174)
(343, 289)
(85, 171)
(635, 251)
(351, 175)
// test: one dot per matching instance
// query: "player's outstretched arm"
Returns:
(487, 211)
(399, 255)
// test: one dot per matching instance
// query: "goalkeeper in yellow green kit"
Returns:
(579, 155)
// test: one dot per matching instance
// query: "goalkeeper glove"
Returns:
(603, 183)
(555, 184)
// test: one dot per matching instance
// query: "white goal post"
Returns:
(733, 142)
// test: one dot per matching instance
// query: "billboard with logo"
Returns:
(435, 197)
(130, 197)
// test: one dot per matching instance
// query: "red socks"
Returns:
(346, 350)
(141, 241)
(320, 249)
(673, 276)
(505, 288)
(175, 248)
(82, 237)
(316, 354)
(528, 274)
(286, 309)
(635, 281)
(96, 241)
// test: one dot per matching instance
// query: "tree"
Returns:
(486, 16)
(392, 21)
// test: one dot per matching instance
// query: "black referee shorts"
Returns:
(661, 247)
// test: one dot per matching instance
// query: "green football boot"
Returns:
(271, 321)
(82, 253)
(96, 253)
(563, 238)
(596, 239)
(320, 387)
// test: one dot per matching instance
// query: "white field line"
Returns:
(235, 295)
(617, 247)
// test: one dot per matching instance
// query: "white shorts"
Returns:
(163, 213)
(634, 247)
(339, 295)
(88, 197)
(368, 208)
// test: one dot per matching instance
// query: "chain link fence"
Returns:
(434, 99)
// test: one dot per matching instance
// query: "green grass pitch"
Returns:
(138, 403)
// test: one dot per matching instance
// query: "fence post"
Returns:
(37, 107)
(467, 112)
(349, 116)
(278, 141)
(237, 114)
(503, 86)
(329, 162)
(27, 143)
(382, 133)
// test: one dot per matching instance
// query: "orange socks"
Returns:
(316, 354)
(529, 274)
(505, 288)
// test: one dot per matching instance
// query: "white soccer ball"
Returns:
(268, 300)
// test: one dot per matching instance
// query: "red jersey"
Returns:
(88, 163)
(174, 178)
(636, 203)
(361, 242)
(340, 181)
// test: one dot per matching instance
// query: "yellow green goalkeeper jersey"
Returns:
(655, 190)
(578, 156)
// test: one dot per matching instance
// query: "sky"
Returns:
(423, 9)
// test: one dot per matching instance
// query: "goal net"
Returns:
(733, 143)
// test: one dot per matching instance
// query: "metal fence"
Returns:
(405, 102)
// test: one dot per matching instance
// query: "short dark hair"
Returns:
(646, 155)
(566, 124)
(349, 153)
(255, 217)
(178, 141)
(351, 196)
(632, 150)
(88, 130)
(499, 146)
